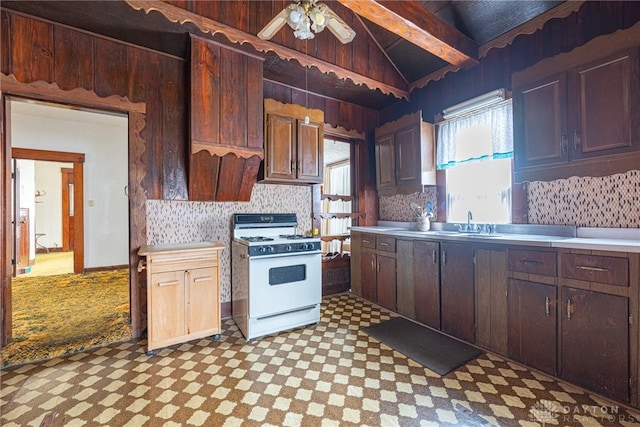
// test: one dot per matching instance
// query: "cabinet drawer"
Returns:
(368, 241)
(536, 262)
(159, 266)
(595, 268)
(386, 243)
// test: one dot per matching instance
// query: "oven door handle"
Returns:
(284, 254)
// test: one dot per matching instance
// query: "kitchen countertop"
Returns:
(179, 247)
(627, 240)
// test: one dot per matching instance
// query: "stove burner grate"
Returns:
(294, 236)
(257, 238)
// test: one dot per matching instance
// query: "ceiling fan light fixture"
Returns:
(307, 18)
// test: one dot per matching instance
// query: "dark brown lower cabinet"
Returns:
(368, 276)
(457, 301)
(426, 281)
(595, 341)
(532, 319)
(378, 279)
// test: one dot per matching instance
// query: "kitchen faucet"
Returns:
(469, 218)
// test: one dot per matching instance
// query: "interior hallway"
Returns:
(330, 374)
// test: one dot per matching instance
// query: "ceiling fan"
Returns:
(307, 17)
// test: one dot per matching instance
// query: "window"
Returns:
(476, 150)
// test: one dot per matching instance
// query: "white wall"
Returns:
(103, 138)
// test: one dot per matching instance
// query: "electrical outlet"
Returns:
(90, 203)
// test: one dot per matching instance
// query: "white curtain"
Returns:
(476, 136)
(337, 179)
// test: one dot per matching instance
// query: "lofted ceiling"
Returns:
(422, 39)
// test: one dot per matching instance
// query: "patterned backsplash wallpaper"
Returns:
(183, 222)
(612, 201)
(398, 207)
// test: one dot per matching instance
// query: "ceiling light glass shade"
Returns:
(319, 18)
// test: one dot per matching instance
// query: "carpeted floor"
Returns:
(65, 314)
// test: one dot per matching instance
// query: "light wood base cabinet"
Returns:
(183, 292)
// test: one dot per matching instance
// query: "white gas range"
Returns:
(276, 275)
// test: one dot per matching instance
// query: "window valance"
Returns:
(476, 136)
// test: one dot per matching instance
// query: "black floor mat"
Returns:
(431, 349)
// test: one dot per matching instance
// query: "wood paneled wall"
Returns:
(494, 71)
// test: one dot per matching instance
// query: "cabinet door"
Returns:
(281, 147)
(387, 282)
(604, 104)
(457, 291)
(368, 276)
(203, 303)
(595, 342)
(426, 272)
(540, 116)
(532, 321)
(491, 299)
(310, 152)
(385, 163)
(408, 165)
(167, 306)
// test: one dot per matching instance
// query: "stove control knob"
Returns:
(288, 248)
(307, 246)
(262, 249)
(270, 249)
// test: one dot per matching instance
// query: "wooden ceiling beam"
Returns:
(414, 23)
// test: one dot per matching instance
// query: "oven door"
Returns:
(283, 283)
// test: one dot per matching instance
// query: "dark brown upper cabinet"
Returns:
(294, 144)
(226, 126)
(405, 155)
(578, 114)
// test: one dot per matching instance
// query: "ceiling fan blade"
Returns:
(338, 27)
(274, 25)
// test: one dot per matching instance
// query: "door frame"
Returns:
(80, 98)
(78, 193)
(68, 232)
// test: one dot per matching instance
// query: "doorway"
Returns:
(96, 233)
(39, 189)
(137, 114)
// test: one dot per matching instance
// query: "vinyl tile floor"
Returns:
(329, 374)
